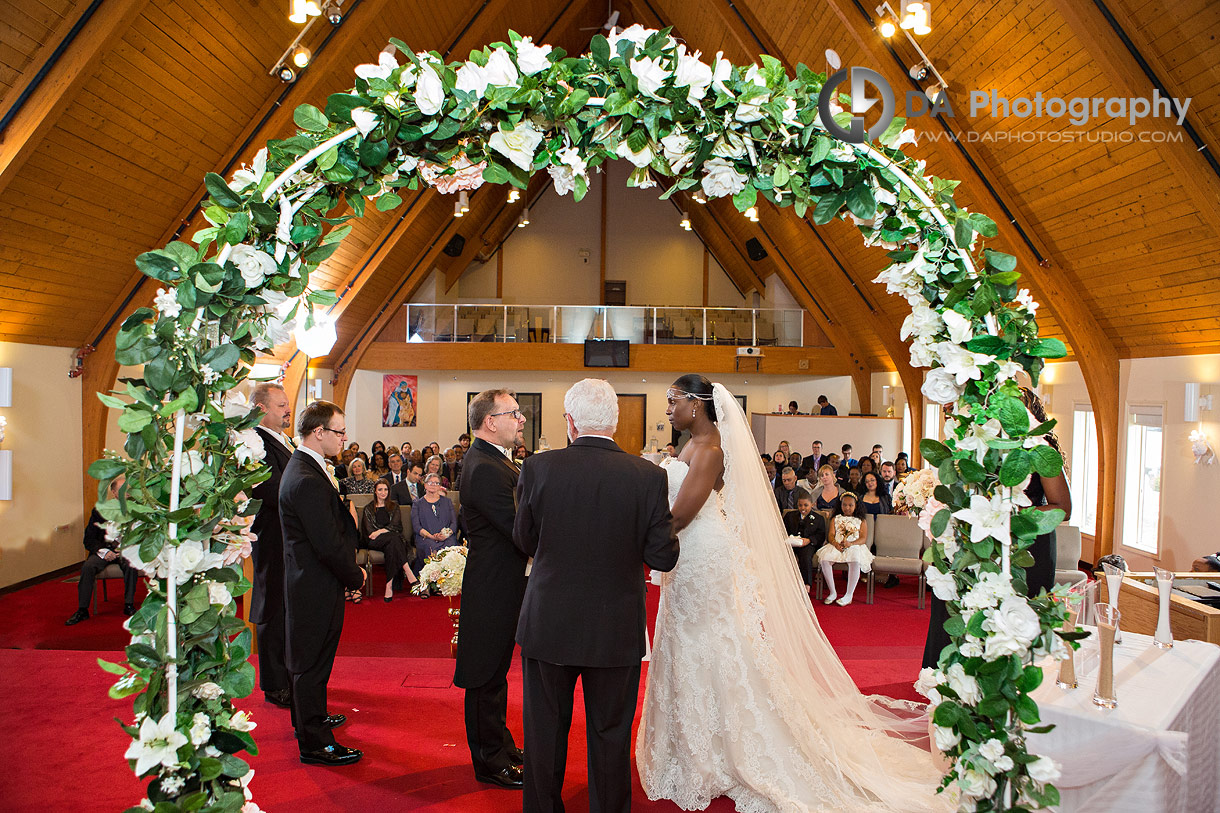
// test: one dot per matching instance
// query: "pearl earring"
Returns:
(692, 413)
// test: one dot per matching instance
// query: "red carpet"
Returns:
(392, 679)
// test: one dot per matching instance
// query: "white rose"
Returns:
(692, 74)
(750, 111)
(722, 71)
(386, 63)
(500, 70)
(946, 738)
(472, 78)
(676, 148)
(218, 593)
(364, 119)
(988, 591)
(942, 584)
(248, 447)
(192, 463)
(649, 74)
(255, 265)
(201, 729)
(207, 691)
(929, 679)
(730, 145)
(923, 322)
(922, 354)
(940, 387)
(517, 145)
(971, 648)
(720, 178)
(1044, 769)
(637, 34)
(640, 159)
(975, 783)
(1004, 764)
(429, 92)
(966, 687)
(563, 179)
(960, 329)
(1016, 618)
(279, 331)
(532, 58)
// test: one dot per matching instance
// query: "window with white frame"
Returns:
(1142, 495)
(933, 422)
(906, 431)
(1086, 462)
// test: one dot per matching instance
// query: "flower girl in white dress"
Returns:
(848, 543)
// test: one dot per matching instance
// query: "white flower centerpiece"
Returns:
(444, 569)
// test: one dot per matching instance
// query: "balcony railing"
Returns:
(573, 324)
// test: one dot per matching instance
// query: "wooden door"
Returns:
(630, 434)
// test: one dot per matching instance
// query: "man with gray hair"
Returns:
(592, 517)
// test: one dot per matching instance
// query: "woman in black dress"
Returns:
(381, 529)
(872, 498)
(1046, 494)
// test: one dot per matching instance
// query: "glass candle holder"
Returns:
(1164, 586)
(1114, 583)
(1077, 600)
(1107, 626)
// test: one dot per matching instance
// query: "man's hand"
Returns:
(804, 541)
(111, 556)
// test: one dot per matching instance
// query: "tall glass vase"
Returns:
(1077, 600)
(1114, 583)
(1164, 586)
(1107, 627)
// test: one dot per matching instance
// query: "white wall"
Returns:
(1190, 510)
(661, 263)
(441, 408)
(42, 526)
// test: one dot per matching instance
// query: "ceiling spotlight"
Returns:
(286, 74)
(514, 195)
(919, 71)
(457, 209)
(698, 197)
(301, 56)
(936, 93)
(464, 201)
(833, 60)
(301, 10)
(333, 14)
(685, 224)
(916, 16)
(524, 220)
(887, 29)
(752, 214)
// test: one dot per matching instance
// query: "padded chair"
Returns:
(1067, 555)
(110, 571)
(899, 544)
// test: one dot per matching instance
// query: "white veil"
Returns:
(812, 682)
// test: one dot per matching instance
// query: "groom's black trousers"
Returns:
(610, 695)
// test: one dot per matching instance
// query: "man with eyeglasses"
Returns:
(493, 586)
(320, 540)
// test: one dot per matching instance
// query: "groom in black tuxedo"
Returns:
(320, 539)
(267, 601)
(492, 586)
(592, 517)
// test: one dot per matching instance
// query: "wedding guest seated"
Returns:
(780, 459)
(102, 552)
(783, 447)
(901, 467)
(357, 480)
(826, 408)
(787, 492)
(520, 453)
(867, 464)
(770, 468)
(873, 497)
(671, 450)
(826, 495)
(809, 526)
(793, 409)
(434, 523)
(889, 478)
(377, 446)
(847, 542)
(381, 530)
(853, 480)
(794, 460)
(380, 466)
(848, 460)
(436, 465)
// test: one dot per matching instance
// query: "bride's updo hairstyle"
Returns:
(697, 387)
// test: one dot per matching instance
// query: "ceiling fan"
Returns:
(611, 23)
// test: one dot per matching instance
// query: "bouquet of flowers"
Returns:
(847, 531)
(913, 494)
(444, 569)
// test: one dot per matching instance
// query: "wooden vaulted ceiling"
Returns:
(105, 158)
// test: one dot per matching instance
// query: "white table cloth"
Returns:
(1158, 751)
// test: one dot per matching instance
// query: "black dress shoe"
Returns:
(509, 777)
(279, 697)
(332, 755)
(77, 617)
(334, 720)
(129, 609)
(516, 756)
(892, 581)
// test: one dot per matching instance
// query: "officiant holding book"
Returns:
(593, 517)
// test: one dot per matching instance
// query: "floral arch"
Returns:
(242, 285)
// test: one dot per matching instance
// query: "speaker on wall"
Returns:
(455, 245)
(755, 249)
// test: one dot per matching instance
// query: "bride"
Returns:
(745, 696)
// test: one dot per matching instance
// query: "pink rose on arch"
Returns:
(467, 176)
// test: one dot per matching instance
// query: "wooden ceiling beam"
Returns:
(1096, 353)
(62, 83)
(1197, 177)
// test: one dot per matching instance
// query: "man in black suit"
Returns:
(788, 492)
(809, 526)
(267, 600)
(102, 552)
(400, 487)
(811, 463)
(492, 586)
(320, 539)
(591, 516)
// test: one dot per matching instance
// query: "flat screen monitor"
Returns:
(607, 353)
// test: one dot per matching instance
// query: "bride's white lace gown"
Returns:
(724, 717)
